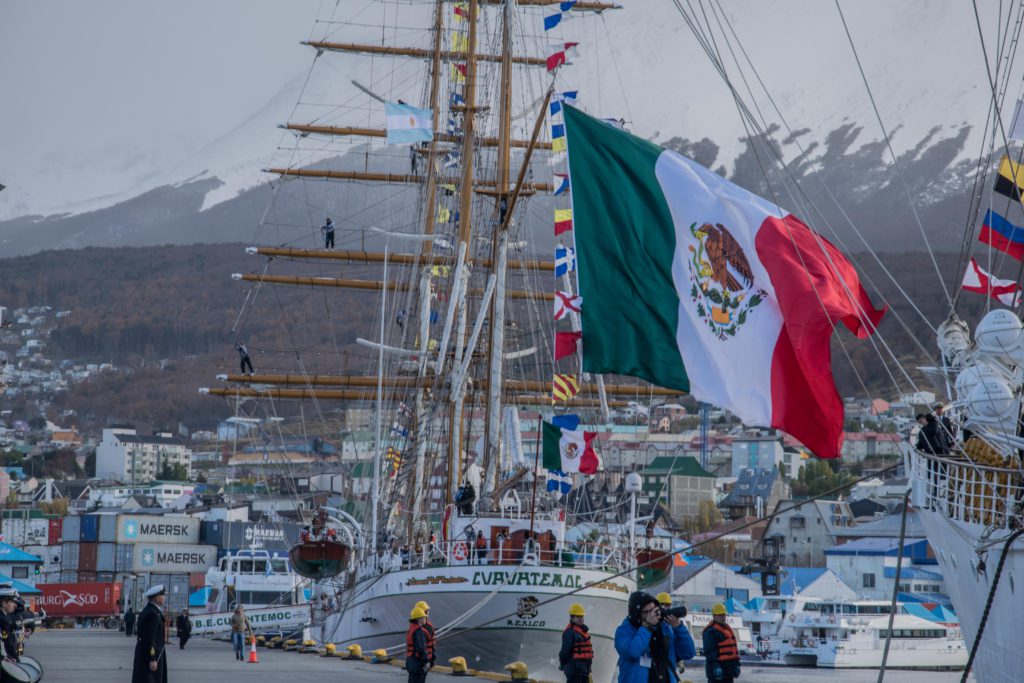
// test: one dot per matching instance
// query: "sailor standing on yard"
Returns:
(328, 231)
(418, 653)
(721, 653)
(150, 664)
(577, 654)
(243, 354)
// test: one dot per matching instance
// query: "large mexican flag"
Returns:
(693, 283)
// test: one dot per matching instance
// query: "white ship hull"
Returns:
(1000, 658)
(939, 654)
(465, 599)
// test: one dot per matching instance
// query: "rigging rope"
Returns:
(892, 152)
(895, 585)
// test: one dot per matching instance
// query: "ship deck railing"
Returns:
(458, 552)
(965, 491)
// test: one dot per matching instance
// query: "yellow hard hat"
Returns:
(576, 610)
(422, 604)
(664, 599)
(718, 608)
(417, 613)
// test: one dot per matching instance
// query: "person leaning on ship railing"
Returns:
(651, 642)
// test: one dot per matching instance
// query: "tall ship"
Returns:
(465, 341)
(692, 285)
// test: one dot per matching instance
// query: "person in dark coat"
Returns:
(418, 654)
(129, 622)
(577, 654)
(184, 626)
(929, 439)
(150, 665)
(8, 629)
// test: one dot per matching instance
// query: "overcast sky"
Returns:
(83, 80)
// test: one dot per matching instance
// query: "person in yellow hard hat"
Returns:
(418, 652)
(431, 639)
(721, 653)
(577, 653)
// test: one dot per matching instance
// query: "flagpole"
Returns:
(536, 465)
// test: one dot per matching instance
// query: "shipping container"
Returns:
(80, 599)
(21, 531)
(86, 577)
(53, 536)
(68, 576)
(173, 557)
(108, 528)
(69, 555)
(105, 559)
(197, 580)
(104, 577)
(123, 558)
(250, 535)
(87, 557)
(177, 593)
(49, 554)
(71, 529)
(89, 530)
(153, 529)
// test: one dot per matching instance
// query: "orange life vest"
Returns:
(727, 650)
(431, 638)
(481, 543)
(410, 647)
(581, 649)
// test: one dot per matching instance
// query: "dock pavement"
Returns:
(101, 656)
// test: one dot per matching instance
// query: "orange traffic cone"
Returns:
(252, 652)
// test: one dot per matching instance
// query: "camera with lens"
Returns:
(678, 612)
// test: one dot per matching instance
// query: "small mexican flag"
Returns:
(569, 450)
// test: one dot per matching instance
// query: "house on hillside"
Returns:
(680, 482)
(869, 566)
(754, 492)
(805, 532)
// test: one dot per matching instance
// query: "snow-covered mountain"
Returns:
(923, 61)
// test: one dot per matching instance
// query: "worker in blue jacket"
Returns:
(650, 647)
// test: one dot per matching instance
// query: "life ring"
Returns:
(460, 550)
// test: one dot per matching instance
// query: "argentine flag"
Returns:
(407, 124)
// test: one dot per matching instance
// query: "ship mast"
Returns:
(499, 256)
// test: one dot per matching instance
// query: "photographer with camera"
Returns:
(651, 642)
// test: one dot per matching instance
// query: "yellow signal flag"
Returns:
(564, 387)
(460, 41)
(440, 271)
(558, 144)
(1010, 181)
(444, 214)
(459, 73)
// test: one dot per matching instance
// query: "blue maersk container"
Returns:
(89, 532)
